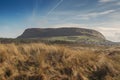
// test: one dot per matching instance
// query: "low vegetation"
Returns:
(39, 61)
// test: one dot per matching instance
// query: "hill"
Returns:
(58, 32)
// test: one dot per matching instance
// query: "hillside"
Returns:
(58, 32)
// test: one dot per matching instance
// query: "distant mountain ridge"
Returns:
(58, 32)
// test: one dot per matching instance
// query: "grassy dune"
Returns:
(38, 61)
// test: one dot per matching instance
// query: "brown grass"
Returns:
(52, 62)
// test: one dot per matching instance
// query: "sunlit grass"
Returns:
(39, 61)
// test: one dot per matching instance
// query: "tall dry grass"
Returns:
(38, 61)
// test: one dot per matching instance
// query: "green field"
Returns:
(74, 38)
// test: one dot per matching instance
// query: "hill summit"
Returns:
(59, 32)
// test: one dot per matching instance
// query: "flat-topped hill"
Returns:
(59, 32)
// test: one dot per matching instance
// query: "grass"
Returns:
(39, 61)
(75, 38)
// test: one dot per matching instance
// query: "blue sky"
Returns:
(101, 15)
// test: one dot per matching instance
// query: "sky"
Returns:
(101, 15)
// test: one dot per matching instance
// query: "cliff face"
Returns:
(58, 32)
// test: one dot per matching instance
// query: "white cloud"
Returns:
(89, 15)
(69, 25)
(118, 3)
(106, 12)
(106, 1)
(111, 33)
(7, 32)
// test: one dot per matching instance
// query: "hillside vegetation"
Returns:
(71, 35)
(58, 32)
(39, 61)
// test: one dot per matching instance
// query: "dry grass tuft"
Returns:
(52, 62)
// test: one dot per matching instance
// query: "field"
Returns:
(75, 38)
(40, 61)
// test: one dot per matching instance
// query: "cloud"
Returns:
(90, 15)
(117, 3)
(7, 32)
(106, 1)
(69, 25)
(111, 33)
(35, 8)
